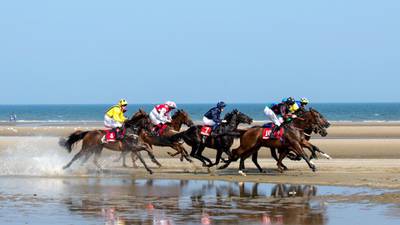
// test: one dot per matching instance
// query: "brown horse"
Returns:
(308, 121)
(92, 142)
(252, 140)
(179, 118)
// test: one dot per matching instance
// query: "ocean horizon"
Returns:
(65, 113)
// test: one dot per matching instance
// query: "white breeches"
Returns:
(271, 116)
(208, 122)
(154, 118)
(111, 123)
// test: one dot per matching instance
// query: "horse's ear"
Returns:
(235, 110)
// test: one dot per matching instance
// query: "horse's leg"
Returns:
(299, 150)
(241, 166)
(76, 156)
(218, 157)
(149, 151)
(280, 165)
(199, 154)
(134, 158)
(97, 155)
(87, 156)
(273, 153)
(184, 153)
(178, 149)
(254, 158)
(287, 154)
(307, 145)
(316, 149)
(143, 162)
(193, 154)
(123, 154)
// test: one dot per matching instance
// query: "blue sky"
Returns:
(199, 51)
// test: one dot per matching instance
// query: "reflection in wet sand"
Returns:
(125, 201)
(200, 202)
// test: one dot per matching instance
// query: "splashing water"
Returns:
(33, 156)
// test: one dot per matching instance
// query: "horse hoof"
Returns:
(151, 172)
(65, 167)
(242, 173)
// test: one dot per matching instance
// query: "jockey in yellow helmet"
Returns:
(115, 118)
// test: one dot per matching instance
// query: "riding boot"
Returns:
(214, 130)
(203, 139)
(274, 129)
(118, 133)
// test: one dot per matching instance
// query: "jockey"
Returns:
(284, 109)
(302, 103)
(212, 118)
(160, 115)
(114, 117)
(278, 113)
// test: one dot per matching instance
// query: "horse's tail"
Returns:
(68, 142)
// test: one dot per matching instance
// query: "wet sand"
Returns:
(115, 200)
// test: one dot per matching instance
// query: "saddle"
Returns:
(206, 130)
(159, 129)
(267, 132)
(115, 134)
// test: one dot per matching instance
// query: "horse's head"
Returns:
(319, 122)
(182, 117)
(238, 117)
(322, 120)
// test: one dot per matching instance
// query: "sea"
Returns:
(334, 112)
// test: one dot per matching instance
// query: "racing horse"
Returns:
(179, 118)
(92, 142)
(220, 141)
(253, 139)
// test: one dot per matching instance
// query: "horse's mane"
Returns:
(176, 114)
(229, 115)
(137, 117)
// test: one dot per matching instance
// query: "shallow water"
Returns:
(101, 200)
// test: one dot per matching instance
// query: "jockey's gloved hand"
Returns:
(224, 121)
(294, 116)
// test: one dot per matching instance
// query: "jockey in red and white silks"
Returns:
(161, 113)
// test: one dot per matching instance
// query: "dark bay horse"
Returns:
(222, 143)
(92, 142)
(252, 140)
(179, 118)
